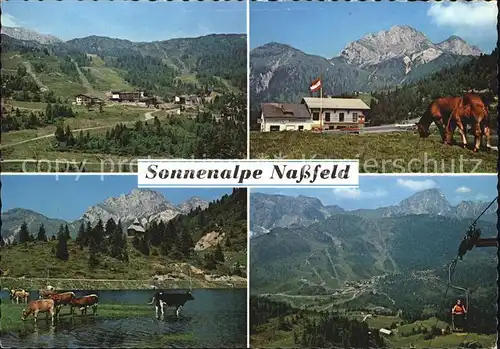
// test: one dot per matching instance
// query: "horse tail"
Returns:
(152, 300)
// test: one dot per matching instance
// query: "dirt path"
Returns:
(29, 70)
(147, 116)
(83, 79)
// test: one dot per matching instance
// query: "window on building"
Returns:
(354, 117)
(316, 116)
(327, 116)
(341, 117)
(274, 128)
(301, 128)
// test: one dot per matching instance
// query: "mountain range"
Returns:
(268, 211)
(161, 67)
(380, 60)
(143, 204)
(301, 245)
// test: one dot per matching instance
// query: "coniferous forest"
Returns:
(217, 133)
(480, 73)
(312, 329)
(173, 240)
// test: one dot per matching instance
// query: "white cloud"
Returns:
(350, 193)
(463, 17)
(481, 197)
(417, 185)
(10, 21)
(463, 190)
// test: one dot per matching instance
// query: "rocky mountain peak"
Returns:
(29, 35)
(398, 41)
(402, 42)
(430, 201)
(458, 46)
(192, 204)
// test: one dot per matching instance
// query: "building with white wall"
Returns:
(336, 113)
(284, 117)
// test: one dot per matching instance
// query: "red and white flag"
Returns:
(315, 85)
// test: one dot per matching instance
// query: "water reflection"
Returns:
(216, 318)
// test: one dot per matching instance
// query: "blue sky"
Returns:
(135, 21)
(326, 28)
(65, 198)
(380, 191)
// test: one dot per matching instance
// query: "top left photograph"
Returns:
(94, 86)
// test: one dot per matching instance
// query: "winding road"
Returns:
(147, 116)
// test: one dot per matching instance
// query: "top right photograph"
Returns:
(405, 87)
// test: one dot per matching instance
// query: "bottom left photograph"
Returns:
(94, 261)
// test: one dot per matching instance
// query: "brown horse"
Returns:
(439, 112)
(468, 109)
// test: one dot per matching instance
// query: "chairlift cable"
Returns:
(451, 271)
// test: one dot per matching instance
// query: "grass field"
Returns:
(91, 121)
(11, 314)
(377, 152)
(268, 335)
(30, 266)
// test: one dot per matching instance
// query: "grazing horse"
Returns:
(452, 112)
(438, 112)
(470, 110)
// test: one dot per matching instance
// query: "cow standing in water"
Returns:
(178, 300)
(39, 306)
(19, 295)
(84, 302)
(61, 299)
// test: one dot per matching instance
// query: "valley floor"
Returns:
(398, 152)
(21, 149)
(33, 266)
(269, 336)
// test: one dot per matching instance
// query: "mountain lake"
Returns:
(215, 318)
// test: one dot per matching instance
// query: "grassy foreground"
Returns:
(33, 266)
(11, 314)
(401, 152)
(269, 336)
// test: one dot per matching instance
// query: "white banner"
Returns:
(248, 173)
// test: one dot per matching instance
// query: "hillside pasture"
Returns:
(397, 152)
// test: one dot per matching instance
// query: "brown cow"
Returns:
(45, 294)
(84, 302)
(19, 294)
(61, 299)
(34, 307)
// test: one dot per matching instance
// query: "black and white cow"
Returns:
(176, 300)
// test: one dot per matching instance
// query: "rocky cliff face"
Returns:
(144, 204)
(391, 57)
(402, 42)
(29, 35)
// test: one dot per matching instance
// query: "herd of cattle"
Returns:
(51, 302)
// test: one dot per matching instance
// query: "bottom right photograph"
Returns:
(401, 262)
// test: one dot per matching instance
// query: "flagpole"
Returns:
(321, 104)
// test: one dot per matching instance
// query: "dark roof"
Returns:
(285, 110)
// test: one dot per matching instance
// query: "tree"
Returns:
(42, 236)
(80, 237)
(24, 234)
(219, 255)
(66, 232)
(93, 249)
(62, 252)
